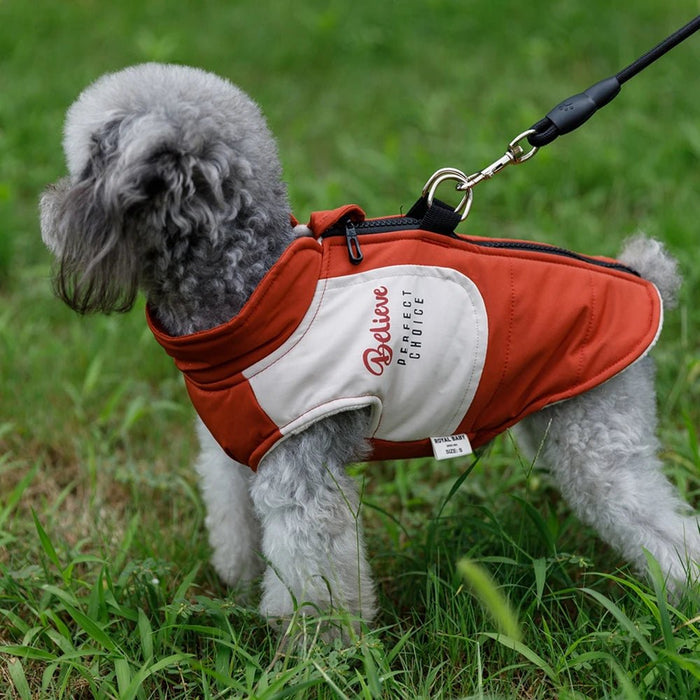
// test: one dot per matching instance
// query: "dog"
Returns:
(175, 189)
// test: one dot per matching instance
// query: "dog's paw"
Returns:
(310, 616)
(303, 631)
(241, 577)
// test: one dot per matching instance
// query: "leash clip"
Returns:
(514, 154)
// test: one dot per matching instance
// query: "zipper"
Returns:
(553, 250)
(353, 244)
(352, 230)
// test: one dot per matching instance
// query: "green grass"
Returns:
(105, 589)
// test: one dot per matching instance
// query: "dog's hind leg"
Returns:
(602, 451)
(234, 532)
(312, 539)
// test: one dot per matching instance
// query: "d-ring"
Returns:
(443, 175)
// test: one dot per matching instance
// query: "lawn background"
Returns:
(104, 586)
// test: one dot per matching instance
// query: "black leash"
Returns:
(564, 118)
(577, 109)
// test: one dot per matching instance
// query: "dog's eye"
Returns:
(154, 185)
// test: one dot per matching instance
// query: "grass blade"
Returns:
(91, 628)
(149, 669)
(525, 651)
(46, 544)
(628, 625)
(145, 635)
(84, 622)
(540, 568)
(664, 618)
(27, 652)
(629, 691)
(491, 598)
(122, 671)
(16, 672)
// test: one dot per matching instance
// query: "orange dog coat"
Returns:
(439, 335)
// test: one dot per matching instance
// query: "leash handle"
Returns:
(577, 109)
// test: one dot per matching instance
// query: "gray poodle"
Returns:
(175, 189)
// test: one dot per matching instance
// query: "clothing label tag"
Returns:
(451, 446)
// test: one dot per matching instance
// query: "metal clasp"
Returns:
(443, 175)
(515, 154)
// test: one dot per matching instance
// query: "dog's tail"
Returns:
(651, 260)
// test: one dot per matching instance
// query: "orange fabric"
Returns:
(212, 366)
(557, 326)
(321, 221)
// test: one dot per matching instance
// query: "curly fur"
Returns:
(175, 188)
(167, 194)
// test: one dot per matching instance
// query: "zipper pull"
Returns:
(354, 250)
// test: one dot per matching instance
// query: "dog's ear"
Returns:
(82, 224)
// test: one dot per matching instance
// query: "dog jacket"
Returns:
(438, 334)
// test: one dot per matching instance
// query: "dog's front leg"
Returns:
(309, 510)
(234, 532)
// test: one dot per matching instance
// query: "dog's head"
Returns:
(163, 161)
